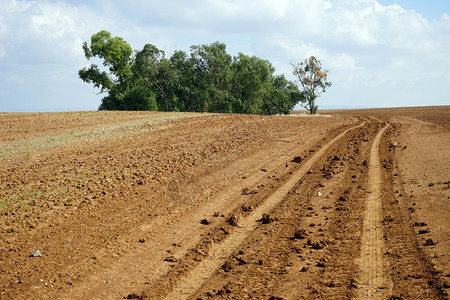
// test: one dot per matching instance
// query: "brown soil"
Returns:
(197, 206)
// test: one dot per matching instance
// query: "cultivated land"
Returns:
(198, 206)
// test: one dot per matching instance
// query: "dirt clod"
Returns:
(297, 159)
(317, 245)
(205, 222)
(430, 242)
(419, 224)
(247, 208)
(233, 220)
(266, 219)
(300, 234)
(171, 259)
(228, 266)
(134, 296)
(321, 265)
(247, 191)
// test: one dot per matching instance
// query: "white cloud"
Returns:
(369, 47)
(45, 32)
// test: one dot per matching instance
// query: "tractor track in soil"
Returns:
(373, 279)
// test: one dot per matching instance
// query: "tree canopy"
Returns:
(313, 81)
(208, 79)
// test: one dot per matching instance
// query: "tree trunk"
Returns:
(311, 107)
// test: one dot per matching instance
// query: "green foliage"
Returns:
(252, 83)
(150, 65)
(207, 80)
(116, 55)
(313, 81)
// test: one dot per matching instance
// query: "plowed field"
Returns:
(114, 205)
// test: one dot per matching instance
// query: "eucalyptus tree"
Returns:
(313, 81)
(282, 96)
(115, 77)
(154, 69)
(212, 77)
(252, 82)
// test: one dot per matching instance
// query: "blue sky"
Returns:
(381, 53)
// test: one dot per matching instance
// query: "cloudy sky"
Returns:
(381, 53)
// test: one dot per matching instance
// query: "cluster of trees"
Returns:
(208, 79)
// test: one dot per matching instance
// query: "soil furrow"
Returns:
(414, 274)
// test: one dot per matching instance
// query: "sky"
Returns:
(380, 53)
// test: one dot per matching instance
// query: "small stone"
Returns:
(304, 269)
(141, 240)
(36, 253)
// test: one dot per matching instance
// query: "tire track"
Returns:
(188, 285)
(373, 280)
